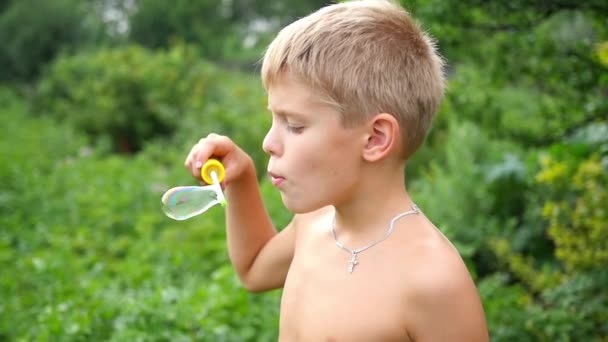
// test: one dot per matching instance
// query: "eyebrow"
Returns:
(286, 113)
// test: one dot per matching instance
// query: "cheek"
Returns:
(323, 158)
(335, 169)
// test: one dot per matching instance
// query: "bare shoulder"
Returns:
(440, 291)
(438, 265)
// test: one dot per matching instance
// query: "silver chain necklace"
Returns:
(353, 252)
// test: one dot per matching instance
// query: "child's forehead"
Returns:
(289, 79)
(289, 90)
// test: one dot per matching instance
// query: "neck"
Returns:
(379, 197)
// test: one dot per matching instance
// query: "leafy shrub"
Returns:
(133, 96)
(505, 305)
(578, 221)
(129, 94)
(569, 303)
(459, 172)
(89, 255)
(33, 33)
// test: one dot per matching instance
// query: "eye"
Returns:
(296, 129)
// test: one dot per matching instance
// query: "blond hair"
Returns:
(364, 57)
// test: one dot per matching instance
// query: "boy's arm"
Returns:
(448, 306)
(260, 255)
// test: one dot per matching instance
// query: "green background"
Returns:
(101, 100)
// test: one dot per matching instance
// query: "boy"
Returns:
(352, 89)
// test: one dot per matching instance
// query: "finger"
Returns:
(188, 160)
(190, 157)
(222, 145)
(200, 155)
(214, 145)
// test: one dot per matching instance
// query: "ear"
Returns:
(381, 138)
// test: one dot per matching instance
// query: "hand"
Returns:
(237, 163)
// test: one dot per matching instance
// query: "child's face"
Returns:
(314, 159)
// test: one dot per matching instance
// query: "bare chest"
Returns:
(323, 301)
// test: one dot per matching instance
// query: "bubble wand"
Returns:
(183, 202)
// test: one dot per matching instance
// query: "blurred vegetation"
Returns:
(101, 100)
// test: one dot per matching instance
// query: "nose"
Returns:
(271, 144)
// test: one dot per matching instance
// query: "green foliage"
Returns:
(131, 96)
(578, 221)
(155, 24)
(570, 186)
(520, 144)
(453, 175)
(92, 256)
(28, 154)
(233, 31)
(574, 310)
(505, 310)
(34, 32)
(543, 62)
(514, 171)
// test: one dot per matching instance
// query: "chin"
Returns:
(300, 206)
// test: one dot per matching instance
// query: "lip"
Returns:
(276, 179)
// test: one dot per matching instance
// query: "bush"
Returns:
(33, 33)
(133, 96)
(92, 257)
(570, 190)
(129, 94)
(462, 166)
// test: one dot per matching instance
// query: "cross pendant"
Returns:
(353, 262)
